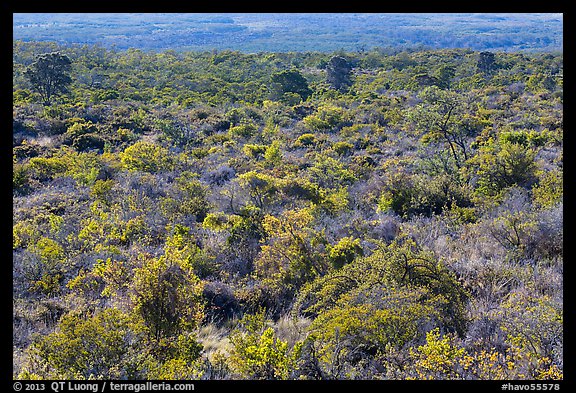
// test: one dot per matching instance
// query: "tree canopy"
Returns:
(50, 75)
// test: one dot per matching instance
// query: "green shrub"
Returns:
(315, 123)
(356, 328)
(245, 130)
(328, 172)
(93, 347)
(549, 189)
(305, 140)
(258, 353)
(46, 168)
(502, 166)
(146, 157)
(344, 252)
(273, 154)
(20, 178)
(80, 128)
(254, 151)
(166, 295)
(200, 152)
(399, 264)
(343, 148)
(525, 138)
(89, 141)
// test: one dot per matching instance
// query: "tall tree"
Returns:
(49, 75)
(338, 73)
(444, 75)
(486, 62)
(290, 81)
(440, 115)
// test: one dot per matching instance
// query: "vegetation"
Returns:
(49, 75)
(299, 215)
(283, 32)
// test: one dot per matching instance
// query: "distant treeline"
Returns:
(252, 32)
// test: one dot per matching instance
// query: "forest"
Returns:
(300, 32)
(343, 215)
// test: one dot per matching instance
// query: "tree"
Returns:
(486, 62)
(444, 75)
(338, 73)
(290, 81)
(49, 75)
(293, 252)
(166, 293)
(441, 115)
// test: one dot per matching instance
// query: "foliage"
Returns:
(397, 213)
(188, 197)
(533, 325)
(145, 156)
(290, 81)
(375, 33)
(402, 263)
(344, 252)
(362, 327)
(549, 189)
(292, 252)
(437, 358)
(258, 353)
(409, 195)
(338, 73)
(96, 347)
(498, 167)
(50, 75)
(441, 115)
(166, 295)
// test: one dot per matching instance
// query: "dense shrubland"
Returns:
(219, 215)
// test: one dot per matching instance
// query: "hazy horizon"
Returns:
(282, 32)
